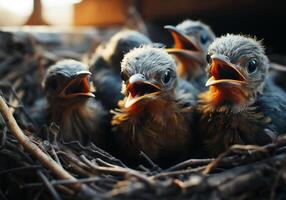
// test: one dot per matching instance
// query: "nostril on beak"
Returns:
(137, 78)
(220, 57)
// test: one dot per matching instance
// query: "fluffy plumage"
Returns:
(105, 65)
(242, 106)
(155, 116)
(71, 104)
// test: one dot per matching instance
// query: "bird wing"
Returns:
(108, 88)
(273, 104)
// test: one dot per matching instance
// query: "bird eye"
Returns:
(208, 58)
(124, 76)
(167, 77)
(53, 84)
(204, 38)
(252, 66)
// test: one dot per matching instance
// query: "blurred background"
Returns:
(263, 18)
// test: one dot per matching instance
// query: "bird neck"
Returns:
(136, 111)
(59, 108)
(157, 111)
(160, 124)
(225, 124)
(221, 129)
(226, 99)
(75, 120)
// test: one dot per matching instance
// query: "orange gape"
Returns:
(86, 85)
(219, 95)
(178, 43)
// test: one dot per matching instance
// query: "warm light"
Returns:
(59, 12)
(55, 12)
(50, 3)
(19, 7)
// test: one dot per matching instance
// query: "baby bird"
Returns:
(155, 116)
(192, 39)
(71, 104)
(105, 65)
(242, 105)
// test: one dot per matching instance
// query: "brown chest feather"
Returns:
(219, 129)
(82, 123)
(157, 128)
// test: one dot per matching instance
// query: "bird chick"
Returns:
(191, 42)
(242, 105)
(154, 117)
(71, 104)
(110, 54)
(105, 65)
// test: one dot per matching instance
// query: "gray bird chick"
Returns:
(191, 42)
(242, 105)
(155, 116)
(105, 64)
(110, 54)
(71, 103)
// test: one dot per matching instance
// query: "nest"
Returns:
(33, 168)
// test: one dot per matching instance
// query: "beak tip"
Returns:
(209, 81)
(167, 26)
(83, 73)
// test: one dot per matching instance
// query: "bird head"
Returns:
(148, 75)
(192, 39)
(67, 82)
(121, 43)
(237, 70)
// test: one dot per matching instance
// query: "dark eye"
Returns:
(167, 77)
(124, 76)
(53, 84)
(204, 38)
(208, 58)
(252, 66)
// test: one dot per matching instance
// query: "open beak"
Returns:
(187, 56)
(224, 73)
(78, 86)
(182, 41)
(139, 88)
(185, 48)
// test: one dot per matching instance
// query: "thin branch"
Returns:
(63, 182)
(46, 160)
(190, 163)
(20, 169)
(50, 188)
(150, 162)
